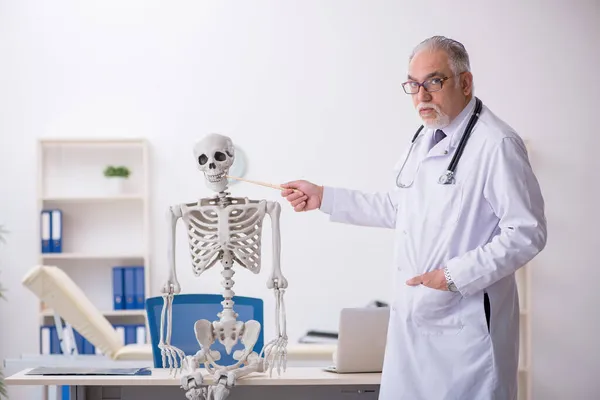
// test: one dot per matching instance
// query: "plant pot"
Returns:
(116, 185)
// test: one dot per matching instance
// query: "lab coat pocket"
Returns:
(437, 312)
(443, 204)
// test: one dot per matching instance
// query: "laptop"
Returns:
(361, 340)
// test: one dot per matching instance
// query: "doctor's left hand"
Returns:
(434, 279)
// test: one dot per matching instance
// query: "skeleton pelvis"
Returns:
(228, 333)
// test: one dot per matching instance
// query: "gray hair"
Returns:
(457, 54)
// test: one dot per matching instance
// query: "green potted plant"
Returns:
(116, 177)
(3, 393)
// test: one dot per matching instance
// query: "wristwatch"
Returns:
(451, 286)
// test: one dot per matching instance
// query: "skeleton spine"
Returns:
(228, 294)
(222, 199)
(227, 273)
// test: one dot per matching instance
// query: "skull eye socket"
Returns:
(220, 156)
(202, 159)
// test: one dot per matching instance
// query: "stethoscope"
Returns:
(447, 178)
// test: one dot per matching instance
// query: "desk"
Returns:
(299, 355)
(297, 383)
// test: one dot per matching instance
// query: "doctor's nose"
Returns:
(423, 95)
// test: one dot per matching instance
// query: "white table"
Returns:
(299, 355)
(295, 384)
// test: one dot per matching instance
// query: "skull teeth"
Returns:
(215, 178)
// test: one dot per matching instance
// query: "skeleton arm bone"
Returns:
(276, 350)
(169, 353)
(173, 216)
(277, 279)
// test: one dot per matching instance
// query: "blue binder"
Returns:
(54, 341)
(79, 342)
(129, 284)
(138, 274)
(46, 231)
(65, 392)
(118, 288)
(130, 334)
(56, 231)
(88, 348)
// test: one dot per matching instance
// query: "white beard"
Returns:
(440, 122)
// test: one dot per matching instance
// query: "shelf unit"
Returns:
(102, 228)
(523, 277)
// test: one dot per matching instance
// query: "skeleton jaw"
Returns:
(216, 181)
(214, 177)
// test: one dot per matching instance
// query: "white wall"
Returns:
(311, 90)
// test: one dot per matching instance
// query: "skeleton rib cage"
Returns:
(213, 229)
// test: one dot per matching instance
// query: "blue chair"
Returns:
(189, 308)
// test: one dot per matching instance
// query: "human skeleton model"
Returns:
(228, 230)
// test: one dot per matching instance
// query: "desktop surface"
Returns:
(312, 376)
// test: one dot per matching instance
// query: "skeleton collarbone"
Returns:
(224, 228)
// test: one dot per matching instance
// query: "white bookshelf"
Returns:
(102, 229)
(523, 277)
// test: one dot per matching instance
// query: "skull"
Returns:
(214, 156)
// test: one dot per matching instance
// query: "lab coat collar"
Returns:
(455, 129)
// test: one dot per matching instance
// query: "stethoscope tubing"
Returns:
(448, 176)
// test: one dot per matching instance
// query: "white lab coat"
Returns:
(483, 228)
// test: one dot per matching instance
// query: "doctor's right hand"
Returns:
(303, 195)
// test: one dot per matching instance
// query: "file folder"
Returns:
(54, 341)
(56, 228)
(118, 287)
(139, 302)
(79, 342)
(88, 348)
(45, 334)
(88, 371)
(45, 231)
(141, 334)
(121, 332)
(130, 334)
(129, 291)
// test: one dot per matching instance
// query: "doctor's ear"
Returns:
(466, 83)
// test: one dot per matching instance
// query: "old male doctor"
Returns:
(454, 320)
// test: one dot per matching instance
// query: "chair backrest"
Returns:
(189, 308)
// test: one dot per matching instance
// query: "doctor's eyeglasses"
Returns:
(430, 85)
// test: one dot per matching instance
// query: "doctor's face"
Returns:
(448, 94)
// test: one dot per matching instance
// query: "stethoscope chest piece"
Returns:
(447, 178)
